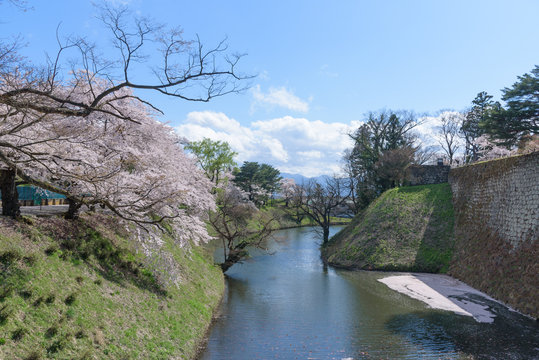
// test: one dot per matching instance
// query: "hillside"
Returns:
(81, 290)
(407, 228)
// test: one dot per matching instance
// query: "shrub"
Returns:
(30, 260)
(70, 314)
(56, 346)
(38, 301)
(25, 293)
(53, 330)
(5, 312)
(70, 299)
(51, 249)
(5, 291)
(34, 355)
(9, 256)
(18, 334)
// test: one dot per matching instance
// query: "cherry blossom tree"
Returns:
(136, 168)
(297, 201)
(46, 110)
(288, 187)
(76, 127)
(489, 150)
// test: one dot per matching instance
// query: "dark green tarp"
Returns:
(36, 194)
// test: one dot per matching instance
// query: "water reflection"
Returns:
(289, 306)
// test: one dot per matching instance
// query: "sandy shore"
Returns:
(443, 292)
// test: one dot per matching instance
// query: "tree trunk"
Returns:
(326, 234)
(226, 265)
(234, 256)
(73, 210)
(10, 196)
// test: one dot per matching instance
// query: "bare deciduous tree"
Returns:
(425, 155)
(239, 224)
(448, 136)
(322, 199)
(188, 71)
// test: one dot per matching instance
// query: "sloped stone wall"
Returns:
(497, 229)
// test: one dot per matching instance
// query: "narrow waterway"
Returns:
(286, 305)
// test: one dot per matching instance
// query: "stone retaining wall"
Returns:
(427, 174)
(497, 229)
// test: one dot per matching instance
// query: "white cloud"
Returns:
(312, 154)
(430, 127)
(278, 97)
(276, 148)
(217, 126)
(293, 145)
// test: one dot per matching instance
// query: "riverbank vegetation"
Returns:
(240, 225)
(81, 289)
(132, 280)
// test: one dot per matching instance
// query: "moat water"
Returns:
(285, 304)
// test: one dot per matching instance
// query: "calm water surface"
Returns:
(287, 305)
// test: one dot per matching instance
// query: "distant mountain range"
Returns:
(300, 179)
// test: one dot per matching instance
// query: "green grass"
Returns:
(80, 290)
(405, 229)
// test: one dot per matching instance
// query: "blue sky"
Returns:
(321, 65)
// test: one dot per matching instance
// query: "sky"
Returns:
(319, 66)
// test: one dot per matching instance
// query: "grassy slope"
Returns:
(77, 290)
(407, 228)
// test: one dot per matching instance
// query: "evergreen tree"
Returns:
(520, 118)
(470, 127)
(260, 181)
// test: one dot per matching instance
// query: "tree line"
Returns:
(385, 145)
(77, 126)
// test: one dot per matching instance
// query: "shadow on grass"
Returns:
(13, 279)
(511, 336)
(436, 245)
(116, 264)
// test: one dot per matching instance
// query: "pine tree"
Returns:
(520, 118)
(470, 126)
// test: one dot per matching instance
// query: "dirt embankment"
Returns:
(405, 229)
